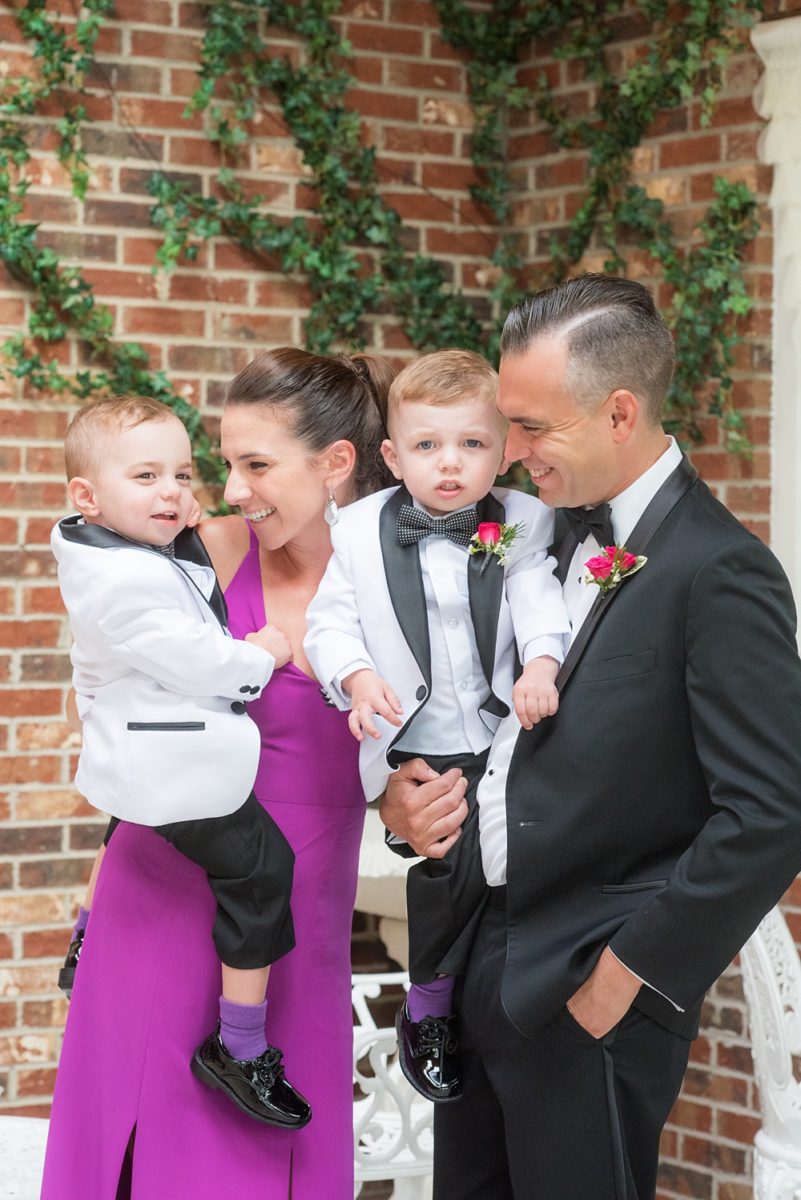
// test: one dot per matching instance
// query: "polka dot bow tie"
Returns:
(414, 524)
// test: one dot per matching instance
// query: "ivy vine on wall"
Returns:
(353, 256)
(62, 299)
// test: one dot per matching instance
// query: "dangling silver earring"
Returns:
(331, 510)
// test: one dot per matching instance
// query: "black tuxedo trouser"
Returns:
(559, 1116)
(249, 865)
(444, 897)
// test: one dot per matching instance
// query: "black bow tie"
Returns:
(414, 524)
(591, 521)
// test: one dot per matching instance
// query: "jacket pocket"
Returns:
(619, 667)
(641, 885)
(167, 726)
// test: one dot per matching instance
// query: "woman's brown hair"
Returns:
(325, 399)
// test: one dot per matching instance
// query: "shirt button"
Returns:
(238, 707)
(420, 694)
(491, 771)
(464, 685)
(453, 622)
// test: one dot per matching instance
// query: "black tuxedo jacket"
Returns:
(659, 811)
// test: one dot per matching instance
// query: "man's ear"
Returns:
(82, 497)
(391, 458)
(338, 462)
(624, 414)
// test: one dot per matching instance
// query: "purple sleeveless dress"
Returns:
(148, 982)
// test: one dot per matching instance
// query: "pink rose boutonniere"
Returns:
(613, 565)
(493, 538)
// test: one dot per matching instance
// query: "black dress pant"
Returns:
(561, 1116)
(249, 865)
(444, 896)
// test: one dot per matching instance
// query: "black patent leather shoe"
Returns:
(66, 976)
(427, 1055)
(255, 1085)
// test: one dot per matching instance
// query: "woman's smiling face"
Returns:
(275, 481)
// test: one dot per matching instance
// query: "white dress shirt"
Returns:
(627, 508)
(458, 684)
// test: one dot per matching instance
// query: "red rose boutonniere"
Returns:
(611, 566)
(492, 538)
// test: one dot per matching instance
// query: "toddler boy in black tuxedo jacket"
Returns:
(431, 592)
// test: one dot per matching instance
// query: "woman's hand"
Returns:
(71, 712)
(274, 642)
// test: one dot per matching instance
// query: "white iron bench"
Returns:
(772, 980)
(392, 1125)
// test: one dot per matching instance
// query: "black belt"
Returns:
(497, 897)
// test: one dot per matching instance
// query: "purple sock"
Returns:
(80, 922)
(431, 999)
(242, 1028)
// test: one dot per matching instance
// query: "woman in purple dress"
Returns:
(300, 434)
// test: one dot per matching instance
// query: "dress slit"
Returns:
(125, 1181)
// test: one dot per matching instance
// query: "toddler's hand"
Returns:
(369, 694)
(274, 642)
(534, 695)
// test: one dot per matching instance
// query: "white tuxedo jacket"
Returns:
(371, 608)
(160, 683)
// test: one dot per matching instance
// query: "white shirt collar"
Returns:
(628, 506)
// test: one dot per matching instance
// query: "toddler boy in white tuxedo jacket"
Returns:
(435, 593)
(161, 687)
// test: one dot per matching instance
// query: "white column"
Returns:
(778, 100)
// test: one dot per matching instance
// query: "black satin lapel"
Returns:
(74, 529)
(563, 545)
(665, 500)
(187, 545)
(485, 590)
(675, 486)
(405, 583)
(564, 555)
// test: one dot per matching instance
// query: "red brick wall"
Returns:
(204, 322)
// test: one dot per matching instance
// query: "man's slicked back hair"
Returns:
(614, 334)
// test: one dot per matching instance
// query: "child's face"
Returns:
(447, 456)
(143, 489)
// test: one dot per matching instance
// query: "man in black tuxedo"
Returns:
(633, 842)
